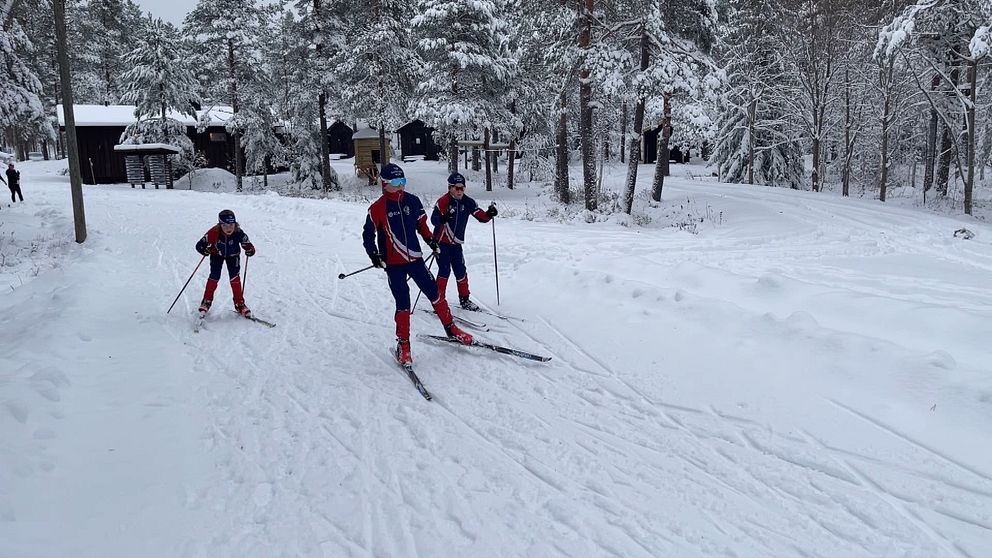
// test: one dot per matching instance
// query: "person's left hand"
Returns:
(492, 211)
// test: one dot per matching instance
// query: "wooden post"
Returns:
(76, 183)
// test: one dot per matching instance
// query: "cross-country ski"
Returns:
(491, 347)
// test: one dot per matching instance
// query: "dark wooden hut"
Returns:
(417, 140)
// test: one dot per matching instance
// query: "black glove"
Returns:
(377, 261)
(249, 250)
(213, 251)
(432, 243)
(492, 211)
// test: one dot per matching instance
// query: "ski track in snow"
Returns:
(642, 437)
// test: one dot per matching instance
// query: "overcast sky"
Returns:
(169, 10)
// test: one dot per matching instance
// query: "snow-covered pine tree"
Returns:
(531, 43)
(256, 123)
(294, 97)
(226, 36)
(465, 69)
(684, 75)
(320, 28)
(542, 92)
(752, 144)
(377, 68)
(36, 22)
(159, 81)
(108, 29)
(22, 114)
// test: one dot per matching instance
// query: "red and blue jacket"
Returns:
(392, 225)
(226, 246)
(453, 232)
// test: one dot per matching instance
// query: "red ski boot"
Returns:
(243, 310)
(403, 355)
(455, 333)
(205, 306)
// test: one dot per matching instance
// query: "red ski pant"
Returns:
(233, 270)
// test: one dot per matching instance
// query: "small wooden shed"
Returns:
(339, 139)
(417, 140)
(367, 154)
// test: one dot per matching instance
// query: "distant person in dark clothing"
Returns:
(13, 182)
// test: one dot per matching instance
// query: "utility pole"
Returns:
(76, 183)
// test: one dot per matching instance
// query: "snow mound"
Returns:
(208, 180)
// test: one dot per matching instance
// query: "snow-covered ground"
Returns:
(750, 372)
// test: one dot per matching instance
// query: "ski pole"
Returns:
(430, 262)
(495, 262)
(187, 283)
(343, 275)
(244, 282)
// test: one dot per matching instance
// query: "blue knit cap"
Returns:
(390, 172)
(456, 178)
(227, 216)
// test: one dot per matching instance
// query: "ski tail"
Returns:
(491, 347)
(408, 368)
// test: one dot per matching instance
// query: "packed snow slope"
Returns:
(803, 376)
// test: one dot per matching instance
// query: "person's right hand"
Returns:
(377, 261)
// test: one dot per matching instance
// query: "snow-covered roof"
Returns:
(123, 115)
(367, 133)
(146, 146)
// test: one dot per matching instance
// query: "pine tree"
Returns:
(226, 35)
(160, 83)
(108, 29)
(294, 97)
(377, 69)
(752, 144)
(22, 114)
(462, 45)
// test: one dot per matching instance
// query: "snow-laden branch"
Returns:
(981, 44)
(6, 8)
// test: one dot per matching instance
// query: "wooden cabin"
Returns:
(100, 127)
(367, 155)
(417, 141)
(339, 140)
(649, 148)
